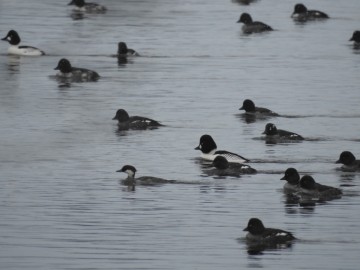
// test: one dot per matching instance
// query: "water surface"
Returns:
(62, 204)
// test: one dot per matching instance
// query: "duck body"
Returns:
(15, 49)
(124, 51)
(259, 234)
(350, 163)
(356, 39)
(273, 133)
(221, 167)
(311, 190)
(82, 6)
(302, 14)
(251, 26)
(66, 71)
(143, 181)
(126, 122)
(250, 108)
(209, 151)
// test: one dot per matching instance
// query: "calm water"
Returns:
(61, 203)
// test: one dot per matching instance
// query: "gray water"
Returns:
(62, 205)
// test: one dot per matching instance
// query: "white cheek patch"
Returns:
(130, 173)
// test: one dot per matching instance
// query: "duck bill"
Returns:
(197, 148)
(5, 38)
(242, 108)
(338, 161)
(351, 39)
(283, 178)
(246, 229)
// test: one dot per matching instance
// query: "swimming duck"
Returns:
(66, 71)
(350, 163)
(252, 27)
(259, 234)
(209, 151)
(14, 39)
(302, 14)
(273, 133)
(126, 122)
(249, 107)
(81, 5)
(315, 191)
(144, 180)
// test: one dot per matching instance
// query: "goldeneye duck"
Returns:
(249, 107)
(292, 178)
(315, 191)
(224, 168)
(87, 7)
(272, 132)
(301, 13)
(14, 39)
(66, 71)
(209, 151)
(351, 164)
(258, 234)
(244, 2)
(123, 50)
(144, 180)
(252, 27)
(126, 122)
(356, 38)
